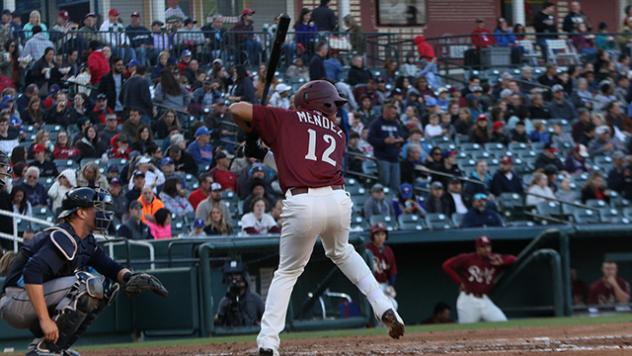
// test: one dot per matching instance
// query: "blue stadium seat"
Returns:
(611, 216)
(495, 148)
(439, 222)
(384, 219)
(470, 147)
(549, 208)
(596, 203)
(586, 216)
(62, 164)
(358, 223)
(410, 222)
(457, 219)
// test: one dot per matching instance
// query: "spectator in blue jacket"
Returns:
(387, 136)
(505, 180)
(480, 215)
(200, 149)
(504, 34)
(36, 194)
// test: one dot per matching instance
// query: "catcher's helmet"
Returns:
(319, 95)
(375, 228)
(5, 169)
(85, 197)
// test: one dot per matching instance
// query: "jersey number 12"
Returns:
(311, 149)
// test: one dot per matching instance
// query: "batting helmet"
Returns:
(5, 169)
(85, 197)
(379, 227)
(319, 95)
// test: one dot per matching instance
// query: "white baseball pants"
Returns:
(472, 309)
(321, 212)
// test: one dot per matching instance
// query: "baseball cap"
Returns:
(113, 12)
(377, 187)
(135, 14)
(557, 88)
(201, 131)
(198, 223)
(549, 147)
(63, 14)
(477, 88)
(281, 88)
(483, 241)
(90, 14)
(406, 190)
(218, 61)
(581, 150)
(189, 20)
(111, 117)
(220, 155)
(186, 53)
(454, 181)
(505, 93)
(481, 117)
(101, 96)
(144, 160)
(436, 185)
(113, 168)
(480, 196)
(216, 187)
(132, 63)
(115, 180)
(506, 160)
(166, 161)
(430, 101)
(139, 174)
(38, 148)
(498, 124)
(257, 168)
(157, 23)
(602, 129)
(247, 11)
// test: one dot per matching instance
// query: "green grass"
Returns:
(413, 329)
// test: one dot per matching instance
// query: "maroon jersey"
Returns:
(384, 265)
(601, 293)
(476, 273)
(308, 147)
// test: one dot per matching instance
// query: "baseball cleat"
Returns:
(266, 352)
(394, 324)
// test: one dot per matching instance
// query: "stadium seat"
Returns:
(568, 209)
(619, 202)
(495, 148)
(470, 147)
(52, 129)
(43, 214)
(356, 189)
(439, 222)
(549, 208)
(457, 219)
(520, 223)
(586, 216)
(596, 203)
(611, 216)
(511, 203)
(410, 222)
(62, 164)
(350, 182)
(358, 223)
(518, 147)
(384, 219)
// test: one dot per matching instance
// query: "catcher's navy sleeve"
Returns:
(104, 264)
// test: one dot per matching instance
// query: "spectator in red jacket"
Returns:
(482, 37)
(221, 174)
(98, 63)
(425, 50)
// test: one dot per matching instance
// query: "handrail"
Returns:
(15, 238)
(579, 205)
(557, 276)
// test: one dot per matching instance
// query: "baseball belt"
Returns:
(304, 190)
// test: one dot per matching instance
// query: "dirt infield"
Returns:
(596, 339)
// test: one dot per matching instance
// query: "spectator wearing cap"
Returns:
(560, 107)
(110, 129)
(62, 27)
(576, 160)
(206, 95)
(202, 191)
(88, 34)
(245, 38)
(190, 36)
(438, 202)
(479, 133)
(153, 175)
(168, 168)
(119, 200)
(221, 123)
(139, 37)
(455, 191)
(35, 19)
(174, 198)
(548, 156)
(138, 180)
(498, 134)
(281, 96)
(376, 204)
(198, 230)
(98, 62)
(449, 166)
(480, 215)
(183, 160)
(506, 180)
(406, 202)
(603, 144)
(134, 228)
(258, 189)
(46, 166)
(519, 133)
(136, 94)
(120, 147)
(214, 200)
(387, 136)
(65, 181)
(221, 173)
(358, 73)
(112, 84)
(200, 149)
(481, 36)
(113, 34)
(35, 192)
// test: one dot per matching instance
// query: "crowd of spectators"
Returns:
(110, 105)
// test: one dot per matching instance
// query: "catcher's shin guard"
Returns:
(74, 314)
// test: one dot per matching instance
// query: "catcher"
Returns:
(48, 289)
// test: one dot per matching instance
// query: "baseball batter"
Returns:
(308, 148)
(475, 273)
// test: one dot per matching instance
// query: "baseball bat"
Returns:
(279, 39)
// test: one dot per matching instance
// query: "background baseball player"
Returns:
(475, 274)
(308, 149)
(384, 265)
(50, 274)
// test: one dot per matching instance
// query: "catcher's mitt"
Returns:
(139, 282)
